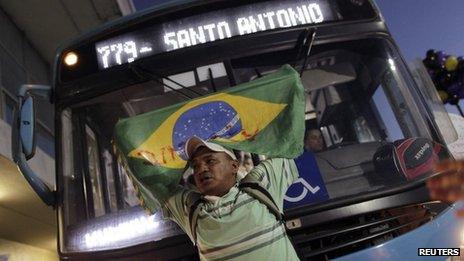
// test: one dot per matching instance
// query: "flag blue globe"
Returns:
(206, 121)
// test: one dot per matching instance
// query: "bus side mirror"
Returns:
(26, 123)
(23, 138)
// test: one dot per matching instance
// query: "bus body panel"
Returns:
(445, 231)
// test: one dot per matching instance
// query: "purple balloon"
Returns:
(432, 74)
(453, 89)
(441, 57)
(460, 68)
(457, 90)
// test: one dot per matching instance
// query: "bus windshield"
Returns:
(357, 102)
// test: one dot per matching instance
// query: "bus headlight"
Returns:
(71, 59)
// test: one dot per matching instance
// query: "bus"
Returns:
(361, 97)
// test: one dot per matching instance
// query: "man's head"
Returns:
(314, 141)
(214, 167)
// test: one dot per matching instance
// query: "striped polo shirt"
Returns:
(237, 226)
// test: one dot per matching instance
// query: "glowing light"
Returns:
(392, 64)
(71, 59)
(121, 232)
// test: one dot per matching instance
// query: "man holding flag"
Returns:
(232, 224)
(226, 217)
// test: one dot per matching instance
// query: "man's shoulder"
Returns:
(183, 197)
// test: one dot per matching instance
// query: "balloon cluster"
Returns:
(447, 73)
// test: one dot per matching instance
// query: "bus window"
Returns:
(359, 105)
(75, 210)
(111, 191)
(382, 108)
(401, 102)
(178, 81)
(93, 158)
(128, 192)
(362, 130)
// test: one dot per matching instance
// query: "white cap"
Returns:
(194, 143)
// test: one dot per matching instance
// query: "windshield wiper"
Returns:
(143, 73)
(303, 47)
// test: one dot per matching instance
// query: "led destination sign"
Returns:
(211, 27)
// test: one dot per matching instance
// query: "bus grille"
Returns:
(348, 235)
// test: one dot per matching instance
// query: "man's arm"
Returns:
(175, 208)
(276, 175)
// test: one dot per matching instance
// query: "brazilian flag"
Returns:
(263, 116)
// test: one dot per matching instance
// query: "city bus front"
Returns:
(361, 106)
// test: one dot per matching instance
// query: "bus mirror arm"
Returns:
(44, 91)
(23, 138)
(43, 191)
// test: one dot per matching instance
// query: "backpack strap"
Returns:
(194, 199)
(253, 188)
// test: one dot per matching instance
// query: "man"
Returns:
(314, 141)
(231, 224)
